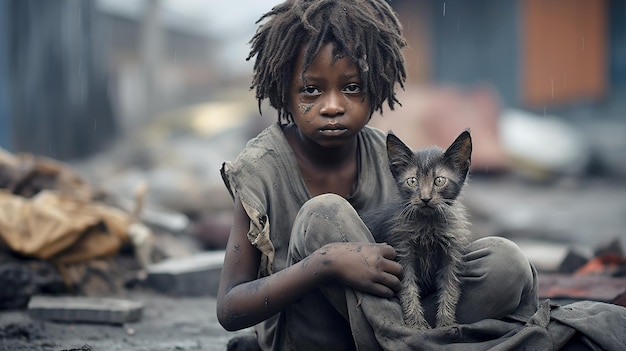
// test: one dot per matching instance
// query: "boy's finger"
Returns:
(388, 251)
(382, 291)
(392, 282)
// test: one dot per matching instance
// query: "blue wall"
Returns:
(477, 42)
(5, 119)
(617, 43)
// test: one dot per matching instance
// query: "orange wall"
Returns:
(564, 45)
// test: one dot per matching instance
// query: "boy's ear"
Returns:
(459, 154)
(399, 154)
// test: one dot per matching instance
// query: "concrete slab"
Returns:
(195, 275)
(85, 309)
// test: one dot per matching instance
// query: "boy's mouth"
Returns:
(333, 131)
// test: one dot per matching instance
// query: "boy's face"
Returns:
(328, 105)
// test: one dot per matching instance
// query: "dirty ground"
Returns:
(168, 323)
(189, 323)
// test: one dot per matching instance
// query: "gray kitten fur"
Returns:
(426, 225)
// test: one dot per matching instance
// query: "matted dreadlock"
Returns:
(367, 31)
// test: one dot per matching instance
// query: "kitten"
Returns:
(426, 225)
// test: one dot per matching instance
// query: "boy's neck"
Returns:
(324, 170)
(317, 156)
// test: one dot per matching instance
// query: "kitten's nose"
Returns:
(425, 199)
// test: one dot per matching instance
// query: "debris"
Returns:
(85, 309)
(545, 255)
(143, 243)
(570, 287)
(24, 278)
(51, 214)
(188, 276)
(525, 137)
(609, 264)
(82, 348)
(574, 259)
(213, 229)
(18, 285)
(54, 226)
(599, 278)
(167, 220)
(27, 174)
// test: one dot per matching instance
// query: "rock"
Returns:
(195, 275)
(18, 285)
(85, 309)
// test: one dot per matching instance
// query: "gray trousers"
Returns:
(497, 281)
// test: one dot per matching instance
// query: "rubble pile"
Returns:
(57, 236)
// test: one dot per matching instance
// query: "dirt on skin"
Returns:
(167, 323)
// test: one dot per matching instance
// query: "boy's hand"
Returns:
(369, 267)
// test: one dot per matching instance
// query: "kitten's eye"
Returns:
(440, 181)
(411, 182)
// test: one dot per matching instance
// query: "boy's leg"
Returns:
(498, 280)
(324, 219)
(495, 270)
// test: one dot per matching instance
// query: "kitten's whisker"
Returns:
(443, 214)
(408, 211)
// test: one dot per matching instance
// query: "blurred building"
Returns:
(75, 74)
(536, 53)
(80, 73)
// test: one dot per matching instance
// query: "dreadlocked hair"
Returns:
(367, 31)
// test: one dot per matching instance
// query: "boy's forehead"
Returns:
(305, 56)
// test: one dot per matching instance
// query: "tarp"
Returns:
(47, 212)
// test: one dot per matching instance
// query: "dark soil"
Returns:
(168, 323)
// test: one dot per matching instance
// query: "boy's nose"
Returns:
(333, 104)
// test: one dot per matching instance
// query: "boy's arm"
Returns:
(243, 300)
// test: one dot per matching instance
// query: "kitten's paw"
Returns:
(446, 322)
(417, 323)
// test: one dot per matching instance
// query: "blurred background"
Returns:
(127, 92)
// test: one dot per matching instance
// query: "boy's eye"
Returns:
(311, 90)
(440, 181)
(352, 88)
(411, 182)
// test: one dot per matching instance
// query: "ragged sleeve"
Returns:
(254, 178)
(259, 231)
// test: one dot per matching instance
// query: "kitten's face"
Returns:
(432, 178)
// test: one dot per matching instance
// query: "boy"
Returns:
(300, 264)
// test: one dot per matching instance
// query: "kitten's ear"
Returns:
(399, 154)
(459, 154)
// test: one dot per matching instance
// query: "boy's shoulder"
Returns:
(267, 135)
(269, 143)
(374, 136)
(373, 131)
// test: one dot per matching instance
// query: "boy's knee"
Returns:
(321, 220)
(507, 262)
(500, 274)
(325, 205)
